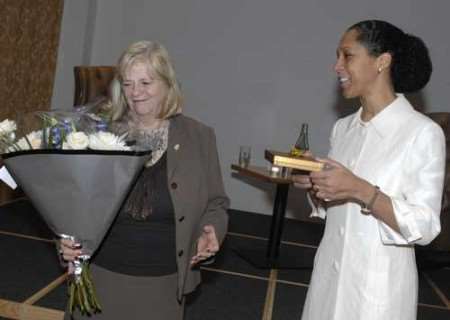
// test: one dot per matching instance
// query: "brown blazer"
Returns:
(197, 192)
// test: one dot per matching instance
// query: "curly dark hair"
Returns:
(411, 64)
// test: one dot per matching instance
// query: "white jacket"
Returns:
(363, 269)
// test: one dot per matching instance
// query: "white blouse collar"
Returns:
(387, 120)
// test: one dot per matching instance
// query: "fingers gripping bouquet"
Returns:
(77, 173)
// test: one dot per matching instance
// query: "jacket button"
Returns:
(174, 185)
(180, 253)
(180, 218)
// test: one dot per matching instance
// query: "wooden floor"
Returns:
(32, 285)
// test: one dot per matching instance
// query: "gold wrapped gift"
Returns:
(284, 159)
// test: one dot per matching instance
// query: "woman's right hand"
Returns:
(303, 181)
(69, 250)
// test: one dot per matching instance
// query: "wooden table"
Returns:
(269, 259)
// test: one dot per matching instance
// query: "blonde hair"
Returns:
(157, 57)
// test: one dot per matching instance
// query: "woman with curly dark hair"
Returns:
(382, 184)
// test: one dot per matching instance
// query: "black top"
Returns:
(143, 243)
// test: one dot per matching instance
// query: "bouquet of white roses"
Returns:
(77, 174)
(60, 130)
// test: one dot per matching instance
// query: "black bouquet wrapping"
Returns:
(78, 188)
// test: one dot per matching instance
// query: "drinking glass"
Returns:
(244, 156)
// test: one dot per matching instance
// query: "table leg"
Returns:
(270, 258)
(276, 227)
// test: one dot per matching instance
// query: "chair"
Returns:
(91, 83)
(437, 253)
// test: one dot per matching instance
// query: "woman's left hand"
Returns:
(334, 182)
(207, 245)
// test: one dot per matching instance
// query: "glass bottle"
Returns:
(302, 144)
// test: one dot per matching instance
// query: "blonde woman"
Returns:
(175, 217)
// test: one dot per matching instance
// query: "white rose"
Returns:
(76, 141)
(35, 139)
(7, 126)
(106, 141)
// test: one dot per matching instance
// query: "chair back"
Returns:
(91, 83)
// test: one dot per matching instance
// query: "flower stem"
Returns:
(82, 294)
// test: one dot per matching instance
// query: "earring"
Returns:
(380, 69)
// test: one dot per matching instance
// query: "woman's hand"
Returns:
(207, 245)
(69, 250)
(335, 182)
(303, 181)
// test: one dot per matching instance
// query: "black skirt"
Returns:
(130, 297)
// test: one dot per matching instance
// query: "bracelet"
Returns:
(367, 208)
